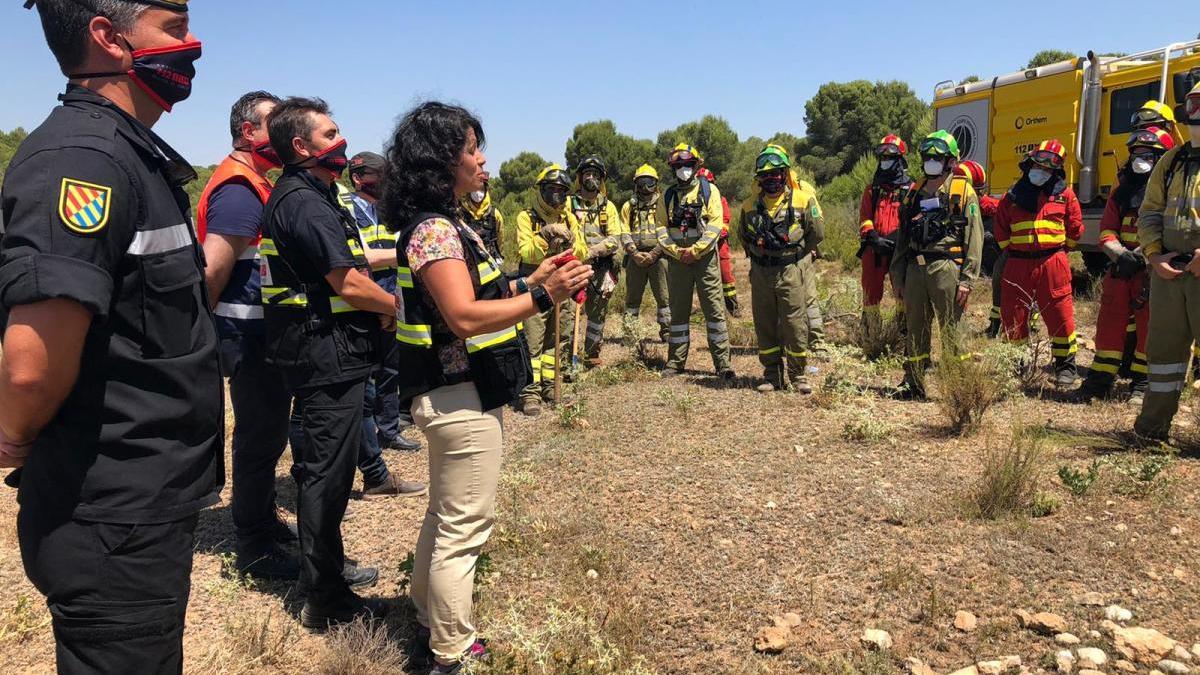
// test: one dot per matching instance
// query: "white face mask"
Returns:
(887, 164)
(477, 196)
(1194, 134)
(685, 173)
(934, 167)
(1039, 177)
(1141, 165)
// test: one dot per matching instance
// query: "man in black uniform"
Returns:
(325, 319)
(111, 392)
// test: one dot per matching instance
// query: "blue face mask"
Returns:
(1039, 177)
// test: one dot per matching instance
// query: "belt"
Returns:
(1033, 255)
(929, 256)
(775, 261)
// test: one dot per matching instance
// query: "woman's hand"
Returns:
(567, 280)
(544, 270)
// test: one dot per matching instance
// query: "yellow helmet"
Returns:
(684, 153)
(1153, 114)
(554, 174)
(645, 170)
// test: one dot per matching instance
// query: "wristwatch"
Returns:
(541, 298)
(522, 285)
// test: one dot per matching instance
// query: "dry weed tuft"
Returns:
(971, 384)
(361, 649)
(1008, 484)
(23, 621)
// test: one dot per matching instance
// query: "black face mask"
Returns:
(555, 197)
(374, 190)
(164, 73)
(772, 184)
(332, 158)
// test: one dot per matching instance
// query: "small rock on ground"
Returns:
(1142, 645)
(965, 621)
(1124, 666)
(916, 666)
(771, 639)
(877, 640)
(1046, 623)
(1090, 657)
(1065, 661)
(1174, 667)
(1066, 639)
(1117, 613)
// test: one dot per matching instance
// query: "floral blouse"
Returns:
(438, 239)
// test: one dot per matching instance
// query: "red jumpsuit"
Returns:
(1121, 297)
(1037, 270)
(725, 258)
(879, 210)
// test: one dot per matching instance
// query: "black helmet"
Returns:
(592, 162)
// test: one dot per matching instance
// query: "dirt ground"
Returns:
(652, 526)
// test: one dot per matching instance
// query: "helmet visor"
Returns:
(769, 161)
(1050, 160)
(1147, 117)
(1191, 106)
(888, 150)
(934, 147)
(555, 176)
(682, 158)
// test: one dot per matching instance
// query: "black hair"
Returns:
(424, 151)
(65, 25)
(245, 109)
(293, 118)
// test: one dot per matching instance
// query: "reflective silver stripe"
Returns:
(679, 328)
(151, 242)
(235, 311)
(1168, 368)
(1165, 387)
(678, 340)
(486, 340)
(716, 326)
(718, 337)
(251, 253)
(338, 305)
(664, 314)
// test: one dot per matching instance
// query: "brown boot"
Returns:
(393, 487)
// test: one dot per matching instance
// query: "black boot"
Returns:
(993, 329)
(1065, 373)
(1137, 388)
(731, 304)
(1097, 385)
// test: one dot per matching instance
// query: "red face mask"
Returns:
(332, 158)
(266, 154)
(164, 73)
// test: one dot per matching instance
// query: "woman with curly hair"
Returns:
(462, 357)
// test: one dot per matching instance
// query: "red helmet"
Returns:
(971, 170)
(1151, 137)
(891, 145)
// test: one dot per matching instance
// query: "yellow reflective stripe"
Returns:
(339, 305)
(1063, 340)
(420, 335)
(267, 247)
(1104, 354)
(487, 340)
(1037, 225)
(1037, 239)
(767, 352)
(297, 300)
(1130, 237)
(487, 273)
(404, 277)
(1101, 367)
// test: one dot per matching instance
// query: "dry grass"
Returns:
(361, 649)
(971, 383)
(1011, 476)
(252, 642)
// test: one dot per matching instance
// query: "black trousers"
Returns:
(330, 430)
(262, 404)
(117, 592)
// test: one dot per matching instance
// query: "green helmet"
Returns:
(772, 157)
(940, 143)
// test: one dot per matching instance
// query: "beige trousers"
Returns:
(464, 465)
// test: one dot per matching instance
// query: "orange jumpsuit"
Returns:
(879, 210)
(1121, 297)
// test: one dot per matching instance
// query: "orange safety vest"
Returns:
(228, 171)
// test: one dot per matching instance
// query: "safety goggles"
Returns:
(934, 147)
(555, 177)
(645, 184)
(1050, 160)
(768, 162)
(888, 150)
(682, 158)
(1142, 151)
(1147, 117)
(1143, 138)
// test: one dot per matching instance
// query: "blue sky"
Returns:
(533, 71)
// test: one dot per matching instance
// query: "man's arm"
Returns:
(221, 251)
(42, 348)
(714, 223)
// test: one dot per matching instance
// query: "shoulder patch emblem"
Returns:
(84, 207)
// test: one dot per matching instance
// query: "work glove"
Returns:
(884, 246)
(870, 237)
(558, 236)
(598, 250)
(1128, 264)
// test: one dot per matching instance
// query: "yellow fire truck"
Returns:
(1087, 103)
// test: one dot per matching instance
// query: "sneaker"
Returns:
(477, 652)
(1067, 377)
(393, 487)
(531, 408)
(320, 618)
(273, 565)
(400, 443)
(359, 577)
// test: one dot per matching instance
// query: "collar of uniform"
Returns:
(367, 207)
(171, 162)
